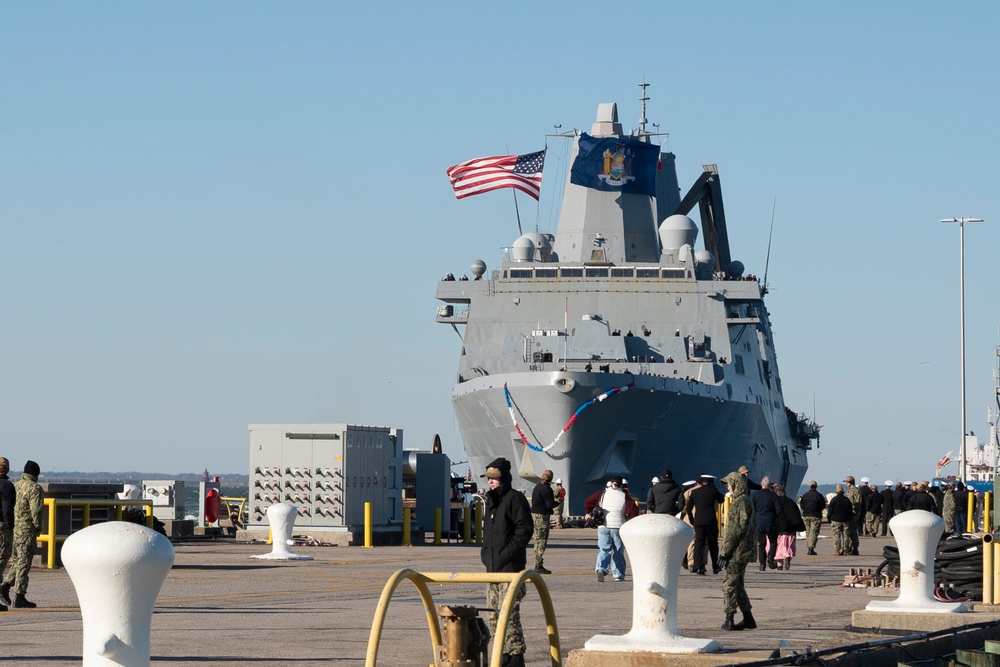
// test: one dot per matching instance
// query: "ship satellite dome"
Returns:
(532, 247)
(703, 257)
(704, 264)
(541, 240)
(736, 268)
(523, 250)
(678, 231)
(478, 268)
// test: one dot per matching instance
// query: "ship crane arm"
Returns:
(707, 194)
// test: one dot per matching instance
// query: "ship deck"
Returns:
(217, 606)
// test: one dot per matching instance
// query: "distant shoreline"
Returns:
(131, 477)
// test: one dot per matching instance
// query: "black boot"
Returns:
(21, 603)
(788, 564)
(747, 623)
(3, 607)
(811, 552)
(5, 592)
(512, 660)
(730, 623)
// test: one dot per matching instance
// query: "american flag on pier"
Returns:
(483, 174)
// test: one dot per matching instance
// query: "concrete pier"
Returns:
(217, 606)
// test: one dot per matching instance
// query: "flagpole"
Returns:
(517, 212)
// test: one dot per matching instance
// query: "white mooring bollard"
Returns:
(656, 544)
(282, 519)
(117, 569)
(917, 534)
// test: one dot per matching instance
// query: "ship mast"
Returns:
(642, 119)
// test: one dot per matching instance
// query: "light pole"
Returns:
(961, 300)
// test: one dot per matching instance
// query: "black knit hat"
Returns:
(499, 469)
(31, 468)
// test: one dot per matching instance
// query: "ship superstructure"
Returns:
(615, 347)
(981, 458)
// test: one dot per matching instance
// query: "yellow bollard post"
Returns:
(437, 526)
(480, 513)
(996, 572)
(987, 568)
(51, 546)
(368, 525)
(466, 525)
(406, 527)
(970, 523)
(988, 512)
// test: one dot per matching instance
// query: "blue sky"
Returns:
(217, 214)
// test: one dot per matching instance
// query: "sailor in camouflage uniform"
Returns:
(853, 494)
(739, 548)
(8, 498)
(27, 527)
(948, 508)
(543, 504)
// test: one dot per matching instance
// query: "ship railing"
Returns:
(452, 313)
(51, 539)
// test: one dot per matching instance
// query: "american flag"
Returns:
(483, 174)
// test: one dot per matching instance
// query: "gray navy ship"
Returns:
(615, 347)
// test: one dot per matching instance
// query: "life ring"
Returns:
(213, 506)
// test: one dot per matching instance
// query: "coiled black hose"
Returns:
(958, 564)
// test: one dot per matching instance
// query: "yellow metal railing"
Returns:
(421, 579)
(50, 538)
(240, 504)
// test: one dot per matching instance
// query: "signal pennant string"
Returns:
(513, 417)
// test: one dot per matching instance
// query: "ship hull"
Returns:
(654, 425)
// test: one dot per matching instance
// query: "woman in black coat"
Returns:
(789, 523)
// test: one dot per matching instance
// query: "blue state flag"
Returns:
(616, 165)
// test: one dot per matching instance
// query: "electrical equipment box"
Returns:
(429, 475)
(327, 472)
(167, 496)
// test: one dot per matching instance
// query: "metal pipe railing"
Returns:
(420, 579)
(51, 539)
